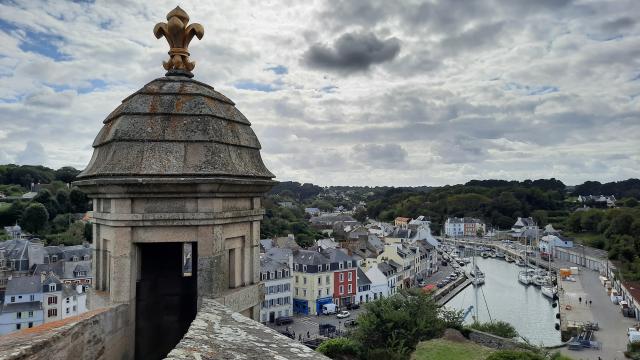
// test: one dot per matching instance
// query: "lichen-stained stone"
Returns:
(219, 333)
(176, 126)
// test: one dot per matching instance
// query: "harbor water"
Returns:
(502, 297)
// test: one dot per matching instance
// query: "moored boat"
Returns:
(548, 291)
(524, 278)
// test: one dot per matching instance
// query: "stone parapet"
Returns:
(220, 333)
(100, 334)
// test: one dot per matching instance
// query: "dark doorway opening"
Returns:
(166, 297)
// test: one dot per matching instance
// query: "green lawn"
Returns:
(586, 238)
(440, 349)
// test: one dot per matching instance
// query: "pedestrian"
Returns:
(590, 302)
(300, 337)
(580, 299)
(308, 335)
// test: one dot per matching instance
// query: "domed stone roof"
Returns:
(176, 127)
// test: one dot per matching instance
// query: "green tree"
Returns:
(62, 198)
(45, 198)
(631, 202)
(399, 322)
(620, 224)
(79, 201)
(361, 215)
(61, 223)
(340, 348)
(34, 218)
(540, 216)
(66, 174)
(590, 219)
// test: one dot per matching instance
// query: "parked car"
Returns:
(350, 323)
(343, 314)
(284, 320)
(422, 283)
(353, 306)
(444, 263)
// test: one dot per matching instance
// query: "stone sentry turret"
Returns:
(176, 179)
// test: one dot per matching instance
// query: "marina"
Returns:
(503, 297)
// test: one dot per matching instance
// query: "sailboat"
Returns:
(548, 289)
(477, 276)
(524, 277)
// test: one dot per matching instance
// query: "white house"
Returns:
(22, 307)
(454, 227)
(381, 283)
(364, 293)
(276, 274)
(549, 242)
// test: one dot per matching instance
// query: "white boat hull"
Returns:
(548, 291)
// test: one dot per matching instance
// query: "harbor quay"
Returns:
(583, 303)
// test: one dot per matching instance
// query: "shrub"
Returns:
(340, 348)
(514, 355)
(498, 328)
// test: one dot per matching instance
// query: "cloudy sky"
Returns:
(373, 92)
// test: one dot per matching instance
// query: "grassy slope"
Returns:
(440, 349)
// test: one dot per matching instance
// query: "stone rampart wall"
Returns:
(98, 334)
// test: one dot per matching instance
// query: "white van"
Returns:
(329, 308)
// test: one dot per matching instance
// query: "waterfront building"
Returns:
(548, 243)
(598, 200)
(467, 226)
(276, 274)
(525, 229)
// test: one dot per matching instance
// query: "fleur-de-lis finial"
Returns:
(178, 35)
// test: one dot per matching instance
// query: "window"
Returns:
(52, 312)
(54, 258)
(52, 300)
(340, 266)
(262, 276)
(326, 267)
(13, 299)
(295, 267)
(350, 276)
(341, 277)
(304, 268)
(327, 290)
(68, 300)
(319, 280)
(86, 257)
(296, 279)
(304, 292)
(341, 289)
(74, 308)
(319, 292)
(348, 263)
(350, 288)
(30, 313)
(32, 297)
(18, 315)
(75, 258)
(52, 287)
(304, 280)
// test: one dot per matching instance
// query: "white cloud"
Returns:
(500, 88)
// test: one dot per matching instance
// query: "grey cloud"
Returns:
(49, 98)
(469, 40)
(380, 155)
(618, 25)
(352, 52)
(33, 154)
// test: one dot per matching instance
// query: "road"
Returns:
(613, 326)
(303, 324)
